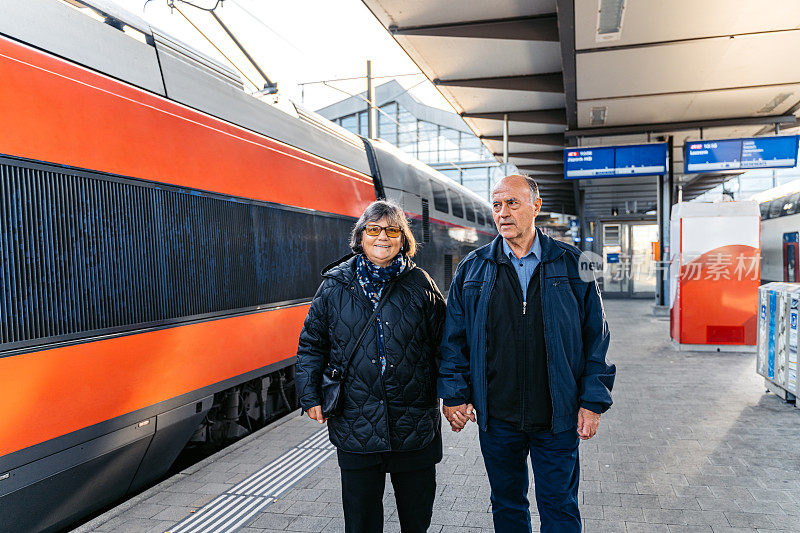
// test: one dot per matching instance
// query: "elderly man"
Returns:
(525, 346)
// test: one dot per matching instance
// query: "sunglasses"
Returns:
(373, 230)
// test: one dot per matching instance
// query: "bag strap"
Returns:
(366, 328)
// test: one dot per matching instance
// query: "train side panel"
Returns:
(157, 255)
(149, 256)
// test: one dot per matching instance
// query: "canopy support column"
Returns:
(663, 211)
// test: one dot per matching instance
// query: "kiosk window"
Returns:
(439, 197)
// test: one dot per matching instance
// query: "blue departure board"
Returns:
(713, 155)
(588, 162)
(615, 161)
(769, 152)
(734, 154)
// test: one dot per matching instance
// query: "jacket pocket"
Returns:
(472, 286)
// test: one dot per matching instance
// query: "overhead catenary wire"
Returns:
(323, 82)
(214, 45)
(266, 26)
(326, 84)
(171, 4)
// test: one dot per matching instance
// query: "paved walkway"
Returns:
(692, 444)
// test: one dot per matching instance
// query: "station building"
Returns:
(436, 137)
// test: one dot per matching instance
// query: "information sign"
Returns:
(735, 154)
(615, 161)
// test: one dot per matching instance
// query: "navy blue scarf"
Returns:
(373, 279)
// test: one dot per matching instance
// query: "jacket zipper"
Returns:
(524, 376)
(524, 360)
(356, 288)
(383, 383)
(492, 280)
(547, 350)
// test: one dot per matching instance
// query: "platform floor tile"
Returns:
(692, 444)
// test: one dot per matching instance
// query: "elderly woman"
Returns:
(389, 421)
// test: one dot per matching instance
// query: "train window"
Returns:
(764, 210)
(775, 207)
(481, 217)
(791, 207)
(458, 205)
(470, 208)
(439, 197)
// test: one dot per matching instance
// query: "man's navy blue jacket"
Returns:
(575, 329)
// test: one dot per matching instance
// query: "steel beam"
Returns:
(556, 155)
(547, 178)
(675, 126)
(546, 83)
(542, 168)
(566, 29)
(559, 190)
(544, 184)
(545, 139)
(539, 116)
(534, 28)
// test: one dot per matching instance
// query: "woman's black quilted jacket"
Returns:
(396, 411)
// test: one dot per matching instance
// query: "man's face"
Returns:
(512, 209)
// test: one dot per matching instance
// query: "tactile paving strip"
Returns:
(235, 508)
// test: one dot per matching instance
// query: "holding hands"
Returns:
(315, 413)
(459, 415)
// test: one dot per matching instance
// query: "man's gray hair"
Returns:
(534, 188)
(394, 214)
(531, 183)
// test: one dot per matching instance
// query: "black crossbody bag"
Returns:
(333, 378)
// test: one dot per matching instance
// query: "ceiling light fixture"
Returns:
(598, 116)
(609, 20)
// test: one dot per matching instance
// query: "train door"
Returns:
(791, 248)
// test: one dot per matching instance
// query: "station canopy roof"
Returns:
(591, 72)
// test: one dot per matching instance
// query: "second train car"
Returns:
(780, 239)
(162, 233)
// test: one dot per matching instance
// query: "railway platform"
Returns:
(692, 444)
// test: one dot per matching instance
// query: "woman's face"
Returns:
(380, 248)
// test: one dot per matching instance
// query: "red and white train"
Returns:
(162, 233)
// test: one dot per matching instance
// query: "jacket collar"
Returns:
(344, 268)
(550, 249)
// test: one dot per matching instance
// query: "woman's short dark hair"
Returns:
(394, 214)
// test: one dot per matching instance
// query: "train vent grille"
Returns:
(84, 254)
(448, 270)
(426, 222)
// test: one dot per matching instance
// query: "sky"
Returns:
(295, 41)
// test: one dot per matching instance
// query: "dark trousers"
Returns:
(554, 459)
(362, 498)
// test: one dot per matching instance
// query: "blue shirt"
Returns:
(525, 265)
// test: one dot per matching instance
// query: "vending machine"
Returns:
(714, 275)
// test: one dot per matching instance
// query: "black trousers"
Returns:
(362, 498)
